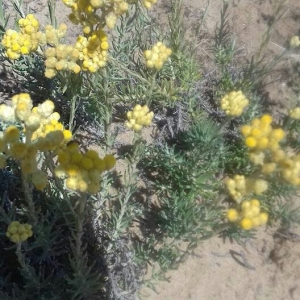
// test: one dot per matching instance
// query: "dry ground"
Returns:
(217, 270)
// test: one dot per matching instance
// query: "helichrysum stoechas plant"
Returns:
(234, 103)
(157, 56)
(139, 117)
(248, 215)
(18, 232)
(82, 171)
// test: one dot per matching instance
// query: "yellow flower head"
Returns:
(295, 113)
(93, 50)
(7, 113)
(266, 119)
(109, 161)
(236, 187)
(251, 142)
(268, 168)
(148, 3)
(294, 42)
(157, 56)
(139, 117)
(22, 104)
(234, 103)
(232, 215)
(18, 232)
(259, 186)
(246, 223)
(96, 12)
(11, 134)
(39, 179)
(82, 171)
(62, 57)
(246, 130)
(263, 218)
(257, 157)
(29, 24)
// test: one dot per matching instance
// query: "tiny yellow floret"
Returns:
(251, 142)
(232, 215)
(246, 223)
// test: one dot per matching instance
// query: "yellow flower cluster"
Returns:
(29, 24)
(139, 117)
(295, 41)
(279, 160)
(10, 146)
(53, 35)
(89, 53)
(82, 171)
(23, 42)
(18, 232)
(289, 167)
(89, 13)
(248, 215)
(256, 186)
(261, 136)
(239, 186)
(51, 133)
(43, 133)
(263, 141)
(93, 50)
(148, 3)
(62, 57)
(234, 103)
(236, 187)
(295, 113)
(157, 55)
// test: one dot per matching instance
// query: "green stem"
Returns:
(29, 199)
(153, 82)
(79, 229)
(58, 182)
(21, 258)
(129, 184)
(108, 111)
(28, 188)
(73, 112)
(22, 262)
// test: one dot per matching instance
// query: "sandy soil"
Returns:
(216, 270)
(267, 267)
